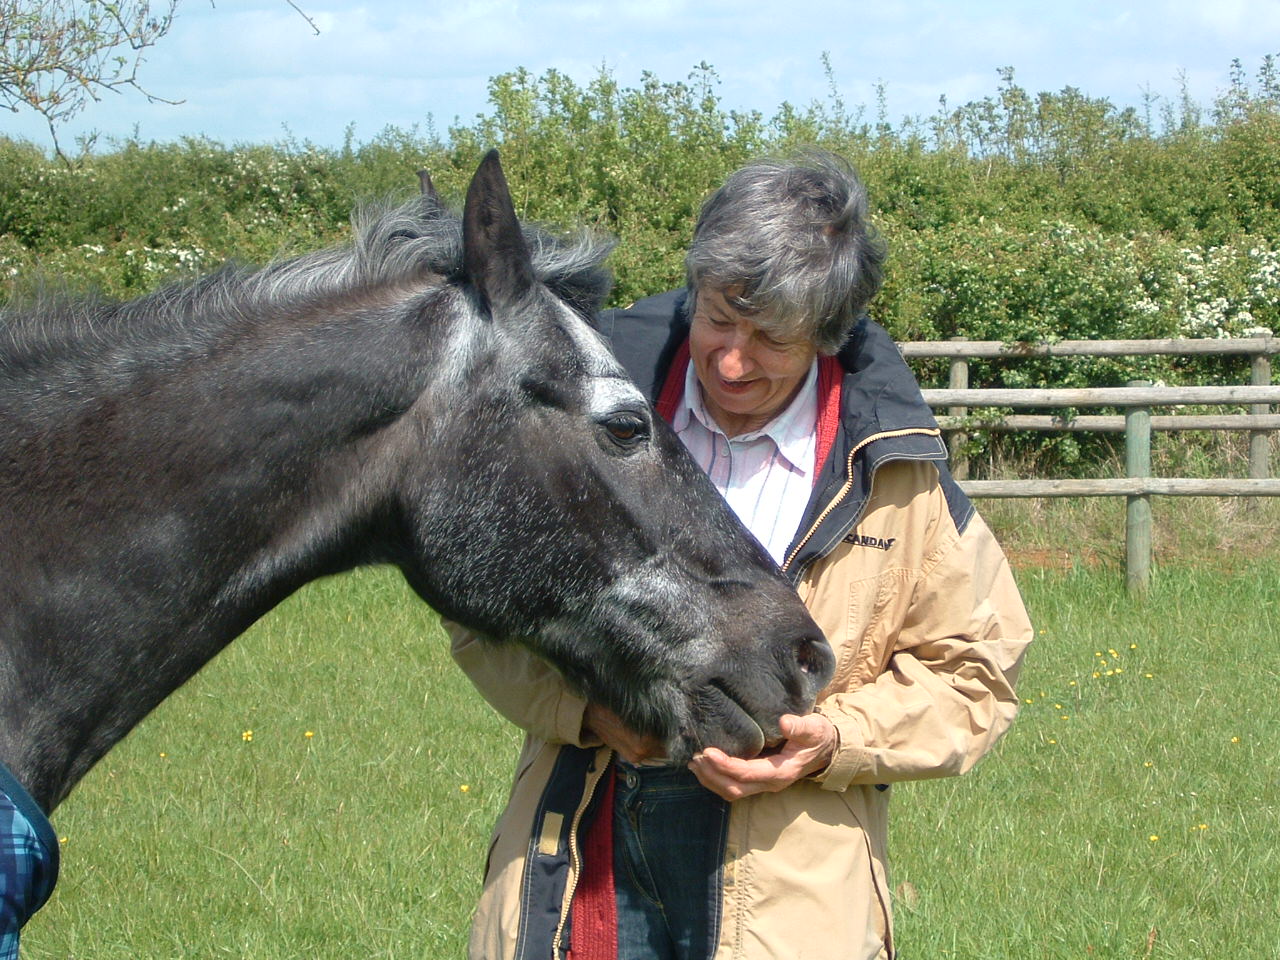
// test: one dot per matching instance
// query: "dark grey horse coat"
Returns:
(432, 396)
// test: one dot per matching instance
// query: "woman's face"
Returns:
(747, 377)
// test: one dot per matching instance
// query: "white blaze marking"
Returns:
(609, 388)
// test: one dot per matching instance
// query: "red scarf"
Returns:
(829, 376)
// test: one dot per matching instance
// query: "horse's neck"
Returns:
(177, 517)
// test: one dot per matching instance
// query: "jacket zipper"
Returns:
(575, 859)
(848, 483)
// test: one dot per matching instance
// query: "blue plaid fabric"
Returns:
(28, 861)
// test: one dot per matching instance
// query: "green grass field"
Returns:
(325, 789)
(1133, 810)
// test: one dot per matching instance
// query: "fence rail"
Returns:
(1264, 344)
(1115, 423)
(1125, 487)
(1101, 396)
(1137, 399)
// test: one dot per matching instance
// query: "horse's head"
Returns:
(563, 514)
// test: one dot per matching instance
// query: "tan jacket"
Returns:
(928, 629)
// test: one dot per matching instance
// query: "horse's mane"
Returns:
(402, 249)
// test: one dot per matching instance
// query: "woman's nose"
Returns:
(734, 362)
(735, 358)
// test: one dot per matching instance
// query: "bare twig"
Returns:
(57, 56)
(303, 15)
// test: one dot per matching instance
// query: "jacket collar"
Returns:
(879, 392)
(883, 417)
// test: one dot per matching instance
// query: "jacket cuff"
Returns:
(850, 757)
(570, 714)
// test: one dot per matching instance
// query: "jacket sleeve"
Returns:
(946, 693)
(521, 686)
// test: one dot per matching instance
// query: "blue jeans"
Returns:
(668, 852)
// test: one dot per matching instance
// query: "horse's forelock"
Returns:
(392, 245)
(575, 270)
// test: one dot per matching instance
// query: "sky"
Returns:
(255, 71)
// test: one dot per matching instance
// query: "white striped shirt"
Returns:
(766, 475)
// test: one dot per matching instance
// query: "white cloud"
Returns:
(246, 69)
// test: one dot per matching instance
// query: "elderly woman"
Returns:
(804, 416)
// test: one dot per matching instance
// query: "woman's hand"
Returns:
(608, 727)
(810, 743)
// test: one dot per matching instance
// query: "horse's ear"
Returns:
(427, 188)
(495, 257)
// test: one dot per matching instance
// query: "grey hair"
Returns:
(792, 237)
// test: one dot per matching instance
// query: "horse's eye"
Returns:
(625, 429)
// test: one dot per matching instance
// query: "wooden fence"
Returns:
(1137, 399)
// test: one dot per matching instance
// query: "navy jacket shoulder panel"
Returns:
(958, 502)
(879, 393)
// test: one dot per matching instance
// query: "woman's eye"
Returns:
(775, 343)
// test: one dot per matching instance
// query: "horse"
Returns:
(431, 395)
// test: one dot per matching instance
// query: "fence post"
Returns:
(1260, 440)
(1137, 462)
(958, 380)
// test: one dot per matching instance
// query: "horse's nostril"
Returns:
(814, 657)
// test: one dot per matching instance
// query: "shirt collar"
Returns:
(793, 431)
